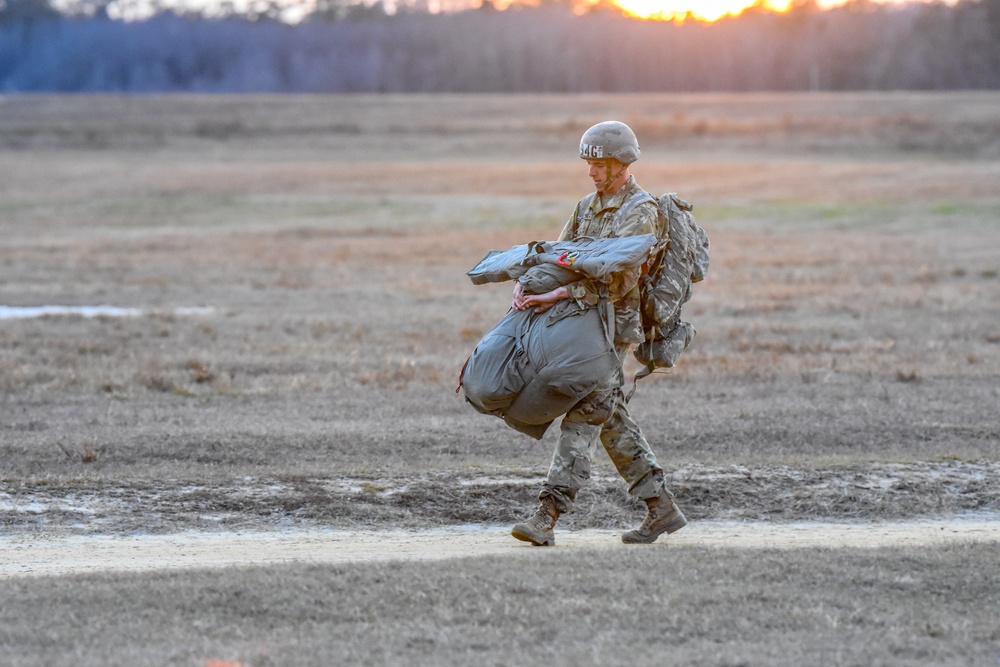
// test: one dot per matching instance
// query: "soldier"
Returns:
(617, 208)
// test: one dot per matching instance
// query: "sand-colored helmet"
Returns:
(610, 139)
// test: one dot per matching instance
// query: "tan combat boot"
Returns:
(663, 516)
(538, 529)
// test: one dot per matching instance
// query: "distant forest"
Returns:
(860, 46)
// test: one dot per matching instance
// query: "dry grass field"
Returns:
(298, 267)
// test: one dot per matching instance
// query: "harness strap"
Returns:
(629, 205)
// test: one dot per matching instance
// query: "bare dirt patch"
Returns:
(755, 493)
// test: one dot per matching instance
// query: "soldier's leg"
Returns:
(636, 463)
(569, 471)
(571, 461)
(630, 452)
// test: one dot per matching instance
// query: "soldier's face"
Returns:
(606, 175)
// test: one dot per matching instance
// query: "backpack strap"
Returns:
(635, 198)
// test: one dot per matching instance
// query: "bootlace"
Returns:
(543, 518)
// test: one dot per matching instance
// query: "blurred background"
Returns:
(483, 46)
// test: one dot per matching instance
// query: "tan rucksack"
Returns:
(679, 260)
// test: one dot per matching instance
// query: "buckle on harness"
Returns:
(567, 258)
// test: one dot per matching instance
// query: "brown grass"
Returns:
(912, 606)
(846, 365)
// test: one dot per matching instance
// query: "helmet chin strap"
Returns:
(612, 178)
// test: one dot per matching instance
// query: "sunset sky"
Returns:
(709, 10)
(705, 10)
(296, 10)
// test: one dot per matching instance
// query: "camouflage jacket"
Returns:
(596, 217)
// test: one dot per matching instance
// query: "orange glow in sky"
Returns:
(704, 10)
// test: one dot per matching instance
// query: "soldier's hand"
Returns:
(541, 302)
(518, 303)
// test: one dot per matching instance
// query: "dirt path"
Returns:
(33, 555)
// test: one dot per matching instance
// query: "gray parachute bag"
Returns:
(679, 260)
(586, 258)
(532, 368)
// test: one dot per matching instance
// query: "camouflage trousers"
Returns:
(602, 416)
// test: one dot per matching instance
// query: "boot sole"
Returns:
(633, 537)
(526, 537)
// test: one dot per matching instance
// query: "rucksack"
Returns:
(679, 260)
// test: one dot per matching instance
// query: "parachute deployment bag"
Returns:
(531, 368)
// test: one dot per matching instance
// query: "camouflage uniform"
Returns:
(604, 415)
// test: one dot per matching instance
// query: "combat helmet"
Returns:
(610, 139)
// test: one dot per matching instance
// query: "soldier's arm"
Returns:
(567, 231)
(622, 286)
(540, 302)
(642, 220)
(580, 291)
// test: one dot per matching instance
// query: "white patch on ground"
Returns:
(25, 312)
(30, 554)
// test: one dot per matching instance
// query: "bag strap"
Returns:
(630, 204)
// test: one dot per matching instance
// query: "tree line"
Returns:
(548, 48)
